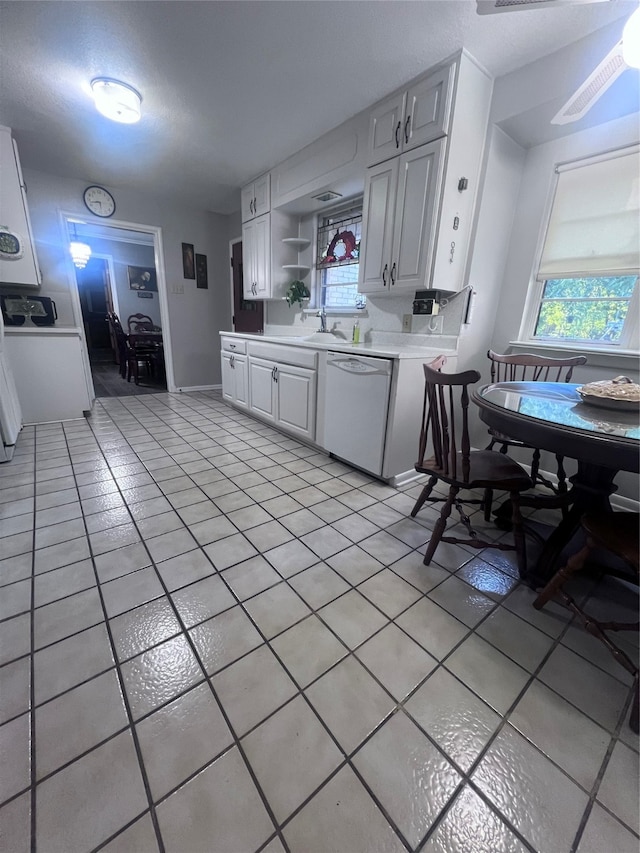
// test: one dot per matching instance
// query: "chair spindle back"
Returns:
(526, 367)
(445, 418)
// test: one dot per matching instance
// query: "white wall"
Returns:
(195, 316)
(528, 220)
(537, 181)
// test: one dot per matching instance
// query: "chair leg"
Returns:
(535, 465)
(440, 525)
(574, 564)
(487, 502)
(634, 718)
(562, 482)
(518, 533)
(490, 445)
(424, 494)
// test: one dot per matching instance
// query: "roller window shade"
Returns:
(594, 228)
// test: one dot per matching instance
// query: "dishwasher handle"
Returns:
(349, 364)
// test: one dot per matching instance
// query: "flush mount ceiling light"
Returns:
(116, 100)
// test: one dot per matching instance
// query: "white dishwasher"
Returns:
(356, 407)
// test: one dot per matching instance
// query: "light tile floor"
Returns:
(213, 638)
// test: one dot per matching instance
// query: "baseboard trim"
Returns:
(186, 388)
(620, 502)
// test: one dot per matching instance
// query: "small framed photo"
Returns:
(201, 272)
(142, 278)
(188, 261)
(143, 294)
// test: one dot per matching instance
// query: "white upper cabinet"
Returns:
(18, 261)
(255, 198)
(419, 204)
(264, 274)
(400, 203)
(411, 118)
(256, 253)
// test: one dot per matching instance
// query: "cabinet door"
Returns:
(296, 400)
(262, 256)
(261, 387)
(249, 260)
(262, 195)
(247, 195)
(377, 227)
(228, 381)
(241, 377)
(428, 108)
(386, 122)
(415, 219)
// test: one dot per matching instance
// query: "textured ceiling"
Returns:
(232, 88)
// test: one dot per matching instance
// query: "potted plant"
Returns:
(297, 292)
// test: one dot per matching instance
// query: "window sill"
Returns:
(349, 312)
(596, 355)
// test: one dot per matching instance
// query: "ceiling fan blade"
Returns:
(593, 87)
(492, 7)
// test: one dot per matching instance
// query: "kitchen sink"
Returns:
(323, 337)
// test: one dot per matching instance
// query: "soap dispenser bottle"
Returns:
(355, 338)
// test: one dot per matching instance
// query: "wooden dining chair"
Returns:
(445, 426)
(130, 358)
(139, 323)
(616, 532)
(527, 367)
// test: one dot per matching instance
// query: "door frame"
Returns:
(66, 217)
(232, 303)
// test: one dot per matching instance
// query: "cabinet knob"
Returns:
(406, 128)
(255, 205)
(384, 275)
(397, 132)
(251, 206)
(391, 275)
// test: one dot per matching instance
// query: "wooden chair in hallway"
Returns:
(130, 357)
(445, 425)
(526, 367)
(140, 323)
(616, 532)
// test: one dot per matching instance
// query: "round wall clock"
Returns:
(99, 201)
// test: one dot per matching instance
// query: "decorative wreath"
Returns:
(348, 251)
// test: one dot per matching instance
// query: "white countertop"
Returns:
(395, 350)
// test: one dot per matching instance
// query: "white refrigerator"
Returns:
(10, 411)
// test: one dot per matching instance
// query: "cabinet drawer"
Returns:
(234, 345)
(299, 356)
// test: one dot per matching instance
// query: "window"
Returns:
(586, 288)
(338, 257)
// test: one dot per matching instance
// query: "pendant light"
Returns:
(80, 252)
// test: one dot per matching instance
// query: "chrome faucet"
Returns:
(323, 320)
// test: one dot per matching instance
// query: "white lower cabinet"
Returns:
(235, 384)
(285, 395)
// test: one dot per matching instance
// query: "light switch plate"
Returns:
(178, 288)
(406, 322)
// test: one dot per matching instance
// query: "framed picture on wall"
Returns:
(142, 278)
(201, 272)
(188, 261)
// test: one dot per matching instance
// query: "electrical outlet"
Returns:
(406, 322)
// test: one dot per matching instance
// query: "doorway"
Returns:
(123, 279)
(96, 301)
(248, 314)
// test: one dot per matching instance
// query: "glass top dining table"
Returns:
(552, 416)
